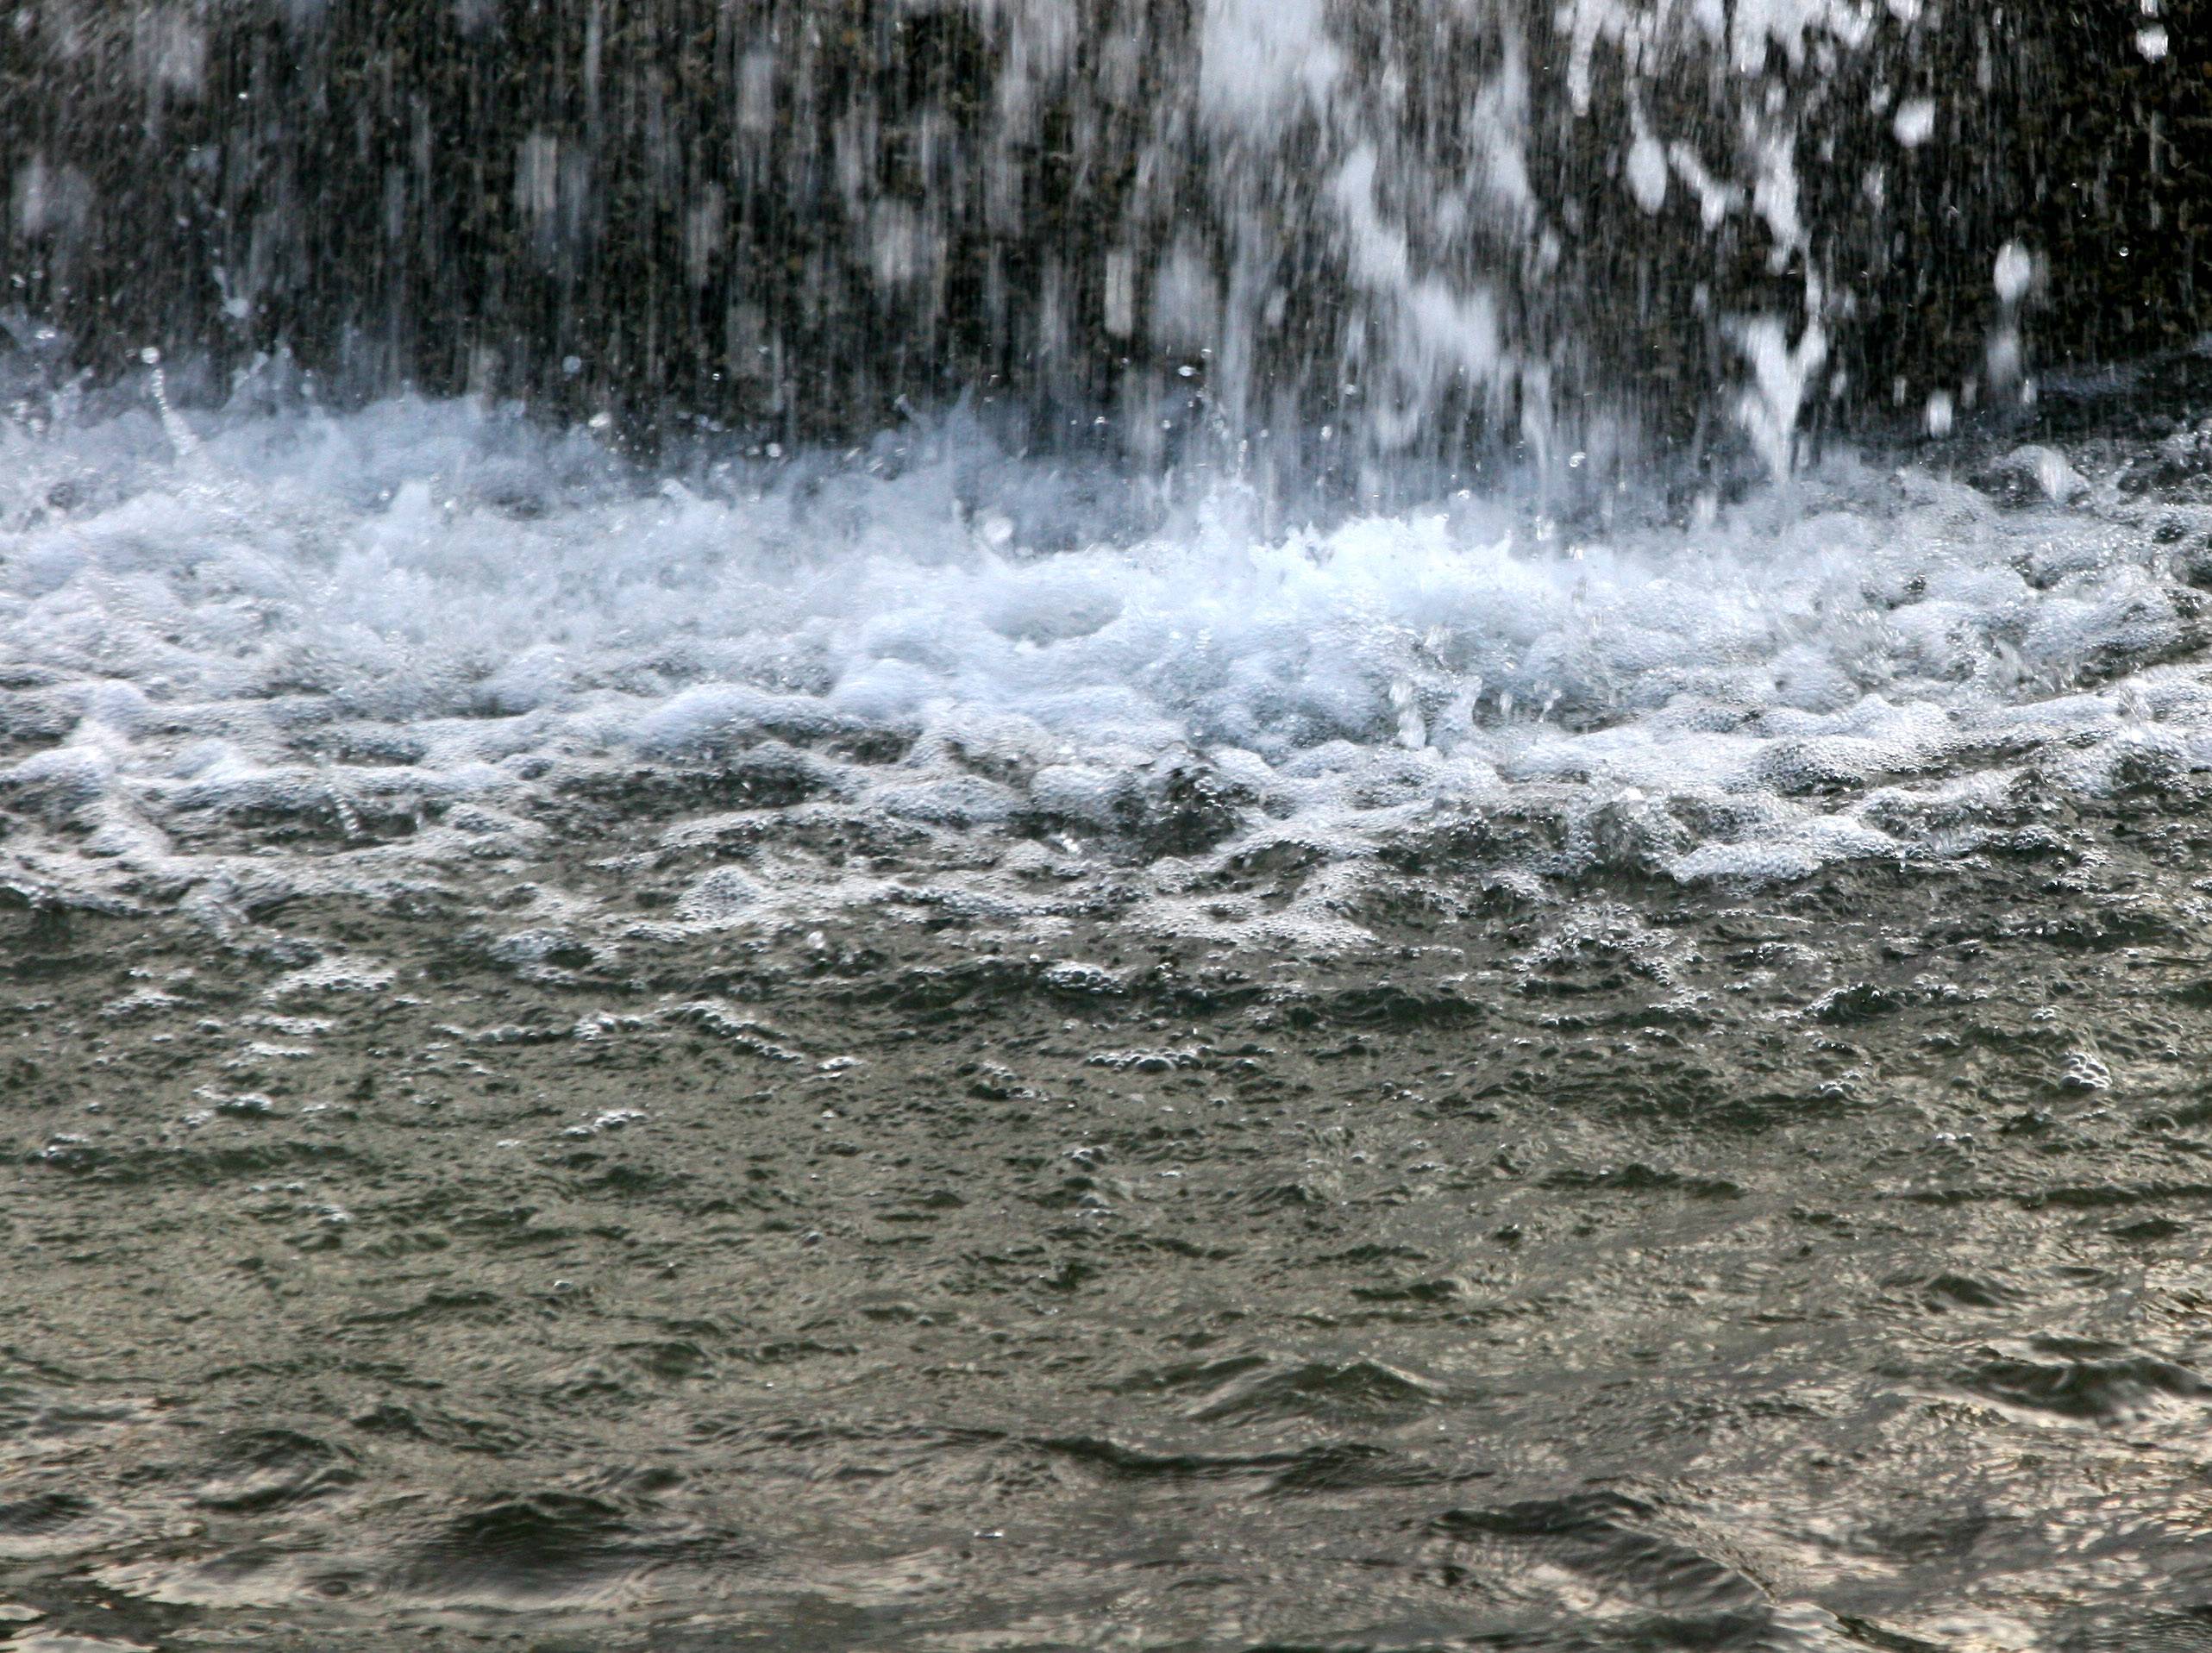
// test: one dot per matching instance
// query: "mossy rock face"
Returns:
(789, 216)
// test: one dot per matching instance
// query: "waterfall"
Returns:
(1353, 240)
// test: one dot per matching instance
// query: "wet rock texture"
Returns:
(1609, 1265)
(787, 215)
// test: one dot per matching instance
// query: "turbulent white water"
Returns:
(412, 623)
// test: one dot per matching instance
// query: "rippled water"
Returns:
(1110, 1019)
(903, 1049)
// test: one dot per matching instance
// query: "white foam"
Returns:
(395, 629)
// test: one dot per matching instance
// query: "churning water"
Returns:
(990, 824)
(378, 618)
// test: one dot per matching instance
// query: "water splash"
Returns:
(1358, 247)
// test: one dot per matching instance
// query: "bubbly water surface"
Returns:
(412, 622)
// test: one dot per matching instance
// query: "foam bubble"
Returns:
(378, 635)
